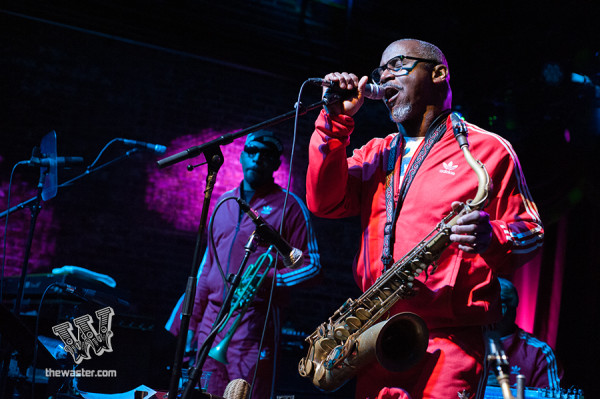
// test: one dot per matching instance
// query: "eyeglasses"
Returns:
(397, 68)
(264, 152)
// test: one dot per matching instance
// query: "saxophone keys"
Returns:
(406, 277)
(394, 285)
(341, 333)
(305, 367)
(353, 323)
(418, 266)
(367, 302)
(428, 257)
(363, 314)
(380, 295)
(325, 345)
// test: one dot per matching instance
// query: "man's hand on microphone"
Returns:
(347, 81)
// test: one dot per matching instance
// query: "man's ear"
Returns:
(440, 73)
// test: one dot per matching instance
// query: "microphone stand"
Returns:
(35, 204)
(225, 308)
(35, 211)
(214, 159)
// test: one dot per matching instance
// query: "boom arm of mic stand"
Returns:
(88, 172)
(228, 138)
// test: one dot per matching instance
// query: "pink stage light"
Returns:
(176, 194)
(43, 247)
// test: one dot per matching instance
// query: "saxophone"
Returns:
(350, 340)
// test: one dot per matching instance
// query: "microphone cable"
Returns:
(276, 319)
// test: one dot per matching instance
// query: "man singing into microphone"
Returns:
(402, 197)
(231, 230)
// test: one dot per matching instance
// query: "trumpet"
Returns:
(243, 296)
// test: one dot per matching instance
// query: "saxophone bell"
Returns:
(397, 343)
(402, 342)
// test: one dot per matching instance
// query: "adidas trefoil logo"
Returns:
(449, 168)
(266, 210)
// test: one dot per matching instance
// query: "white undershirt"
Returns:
(410, 147)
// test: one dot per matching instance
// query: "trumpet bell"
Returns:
(219, 352)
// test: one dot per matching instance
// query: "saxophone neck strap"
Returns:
(434, 133)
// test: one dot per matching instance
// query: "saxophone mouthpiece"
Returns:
(460, 129)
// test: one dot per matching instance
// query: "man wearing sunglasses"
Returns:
(402, 197)
(231, 229)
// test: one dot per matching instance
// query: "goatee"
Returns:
(400, 113)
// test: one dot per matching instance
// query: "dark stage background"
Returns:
(182, 72)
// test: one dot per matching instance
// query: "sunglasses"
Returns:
(264, 152)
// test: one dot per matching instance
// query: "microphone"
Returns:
(48, 149)
(60, 161)
(371, 91)
(90, 295)
(496, 357)
(237, 389)
(292, 257)
(157, 148)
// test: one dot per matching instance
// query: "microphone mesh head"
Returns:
(295, 259)
(374, 92)
(237, 389)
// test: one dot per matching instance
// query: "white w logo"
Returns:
(87, 337)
